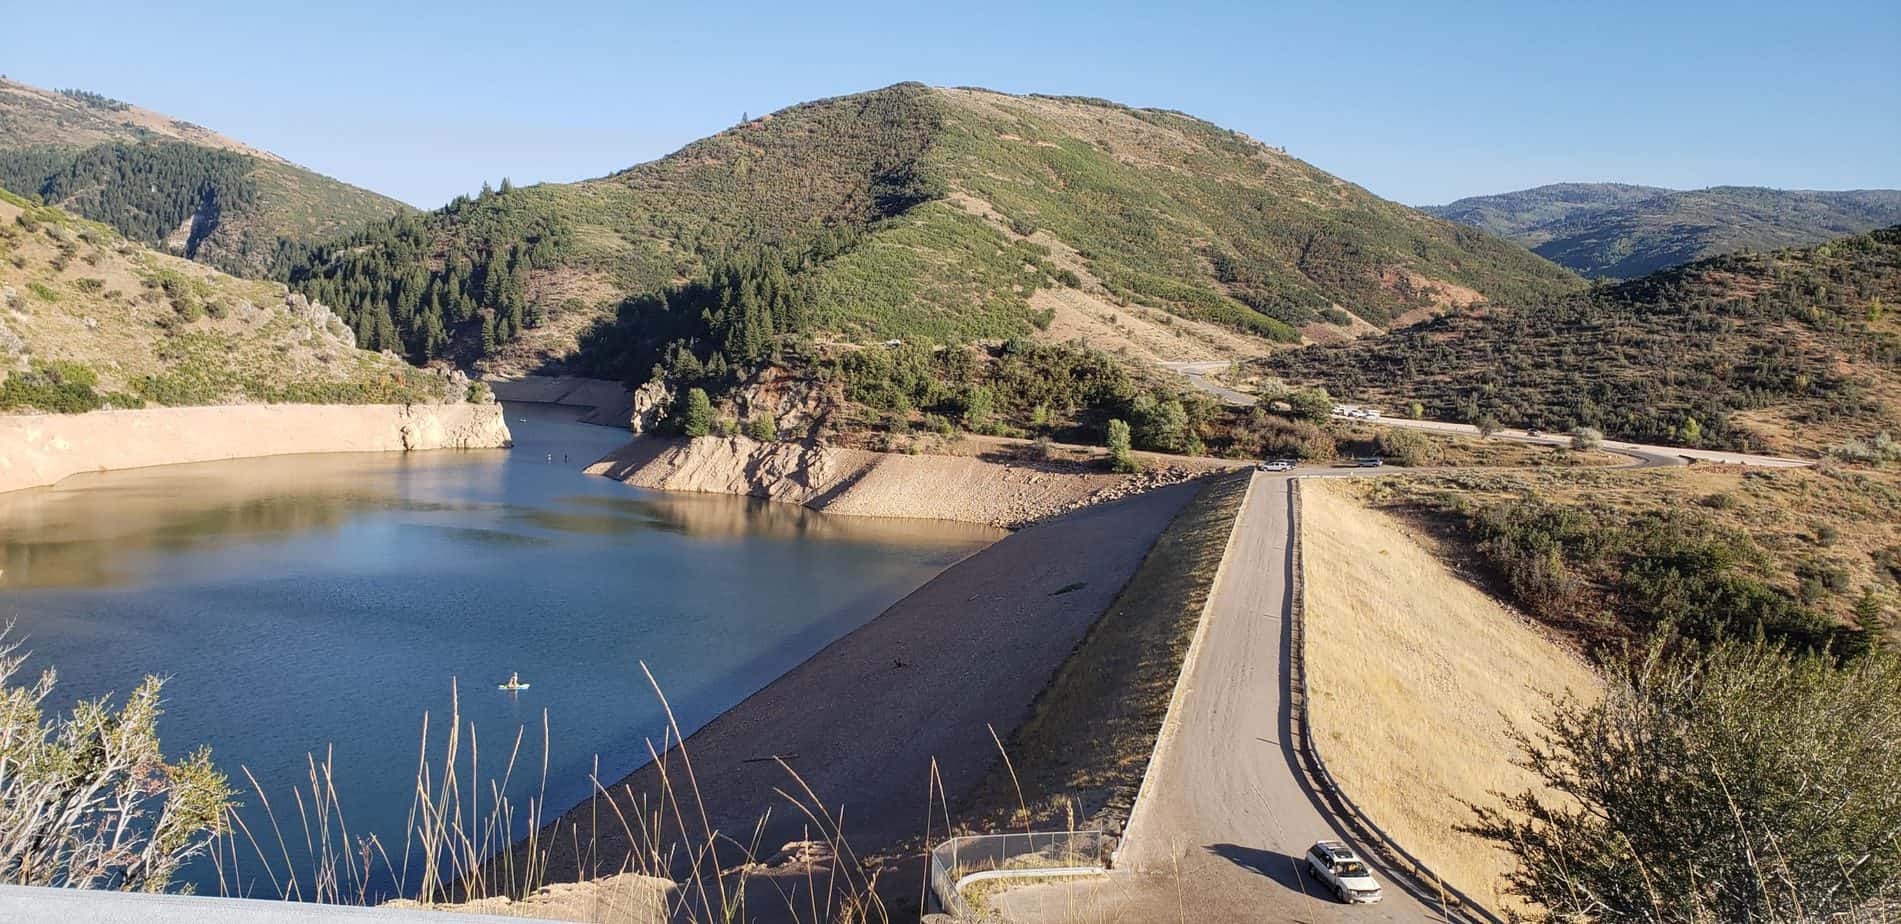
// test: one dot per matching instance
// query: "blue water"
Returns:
(317, 606)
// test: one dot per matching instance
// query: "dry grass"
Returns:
(1830, 518)
(1416, 677)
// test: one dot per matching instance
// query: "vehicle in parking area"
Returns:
(1343, 872)
(1534, 431)
(1277, 465)
(1369, 462)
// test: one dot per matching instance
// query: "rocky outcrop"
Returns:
(41, 449)
(991, 489)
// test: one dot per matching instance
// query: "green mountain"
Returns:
(170, 184)
(1792, 351)
(90, 319)
(915, 212)
(1610, 230)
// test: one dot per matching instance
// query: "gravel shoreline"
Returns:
(863, 720)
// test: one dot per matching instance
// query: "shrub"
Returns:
(1069, 278)
(1714, 763)
(1586, 438)
(89, 801)
(1121, 459)
(1487, 425)
(1407, 447)
(57, 387)
(763, 428)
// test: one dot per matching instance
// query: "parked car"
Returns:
(1534, 431)
(1343, 872)
(1370, 462)
(1277, 465)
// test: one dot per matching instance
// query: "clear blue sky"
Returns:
(422, 100)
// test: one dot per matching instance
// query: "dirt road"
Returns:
(1197, 375)
(1226, 812)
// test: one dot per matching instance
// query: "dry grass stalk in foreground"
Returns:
(492, 856)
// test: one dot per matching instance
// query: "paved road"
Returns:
(1226, 812)
(1197, 375)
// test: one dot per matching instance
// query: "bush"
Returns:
(1121, 459)
(763, 428)
(89, 801)
(1586, 438)
(56, 387)
(1773, 776)
(1487, 425)
(1407, 447)
(696, 413)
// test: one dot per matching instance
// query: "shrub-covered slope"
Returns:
(1621, 232)
(917, 212)
(168, 183)
(89, 319)
(1791, 351)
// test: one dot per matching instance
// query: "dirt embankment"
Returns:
(613, 405)
(1415, 693)
(993, 488)
(40, 449)
(899, 707)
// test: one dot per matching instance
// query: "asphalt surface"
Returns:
(1227, 812)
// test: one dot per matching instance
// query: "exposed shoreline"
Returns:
(917, 690)
(994, 487)
(37, 450)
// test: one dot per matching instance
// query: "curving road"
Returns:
(1227, 809)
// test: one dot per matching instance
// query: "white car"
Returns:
(1343, 872)
(1278, 465)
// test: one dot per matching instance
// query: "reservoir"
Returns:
(315, 608)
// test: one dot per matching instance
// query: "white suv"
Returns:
(1343, 872)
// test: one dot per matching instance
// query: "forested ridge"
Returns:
(960, 205)
(164, 181)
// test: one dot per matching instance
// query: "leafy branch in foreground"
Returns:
(1745, 783)
(88, 801)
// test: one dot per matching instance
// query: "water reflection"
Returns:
(99, 528)
(320, 604)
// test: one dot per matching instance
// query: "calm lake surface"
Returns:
(322, 604)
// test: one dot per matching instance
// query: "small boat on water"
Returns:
(514, 683)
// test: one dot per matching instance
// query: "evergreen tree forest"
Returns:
(401, 289)
(144, 191)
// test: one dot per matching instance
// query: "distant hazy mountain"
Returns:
(1622, 232)
(168, 183)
